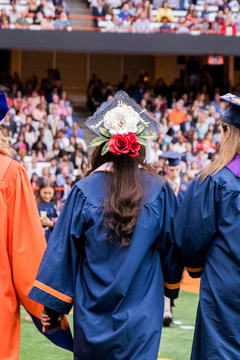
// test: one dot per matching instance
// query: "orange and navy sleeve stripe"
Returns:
(171, 290)
(53, 292)
(172, 286)
(195, 272)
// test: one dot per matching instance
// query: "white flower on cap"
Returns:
(121, 120)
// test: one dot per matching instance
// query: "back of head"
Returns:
(125, 191)
(122, 128)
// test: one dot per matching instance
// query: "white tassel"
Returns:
(148, 153)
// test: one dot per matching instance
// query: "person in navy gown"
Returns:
(179, 187)
(112, 252)
(207, 227)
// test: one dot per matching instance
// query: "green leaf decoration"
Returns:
(105, 149)
(105, 132)
(147, 135)
(141, 141)
(140, 129)
(97, 141)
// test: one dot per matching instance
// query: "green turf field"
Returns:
(175, 343)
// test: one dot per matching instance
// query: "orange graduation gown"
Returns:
(22, 245)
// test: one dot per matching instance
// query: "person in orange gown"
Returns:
(22, 245)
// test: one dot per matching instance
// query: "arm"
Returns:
(159, 15)
(27, 240)
(170, 257)
(61, 257)
(196, 223)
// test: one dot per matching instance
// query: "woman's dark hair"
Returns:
(163, 3)
(170, 132)
(54, 144)
(45, 184)
(33, 174)
(21, 134)
(125, 191)
(37, 151)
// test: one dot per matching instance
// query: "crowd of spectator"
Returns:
(48, 14)
(46, 139)
(220, 16)
(189, 118)
(139, 16)
(42, 128)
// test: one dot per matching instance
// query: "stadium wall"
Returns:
(127, 43)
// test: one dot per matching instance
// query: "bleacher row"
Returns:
(40, 165)
(177, 15)
(103, 23)
(22, 8)
(5, 5)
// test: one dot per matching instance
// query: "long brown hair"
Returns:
(229, 149)
(45, 184)
(125, 190)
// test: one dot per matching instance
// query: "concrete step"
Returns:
(79, 12)
(80, 23)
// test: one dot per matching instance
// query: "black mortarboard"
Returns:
(232, 114)
(172, 157)
(121, 98)
(3, 106)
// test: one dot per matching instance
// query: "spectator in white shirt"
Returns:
(234, 5)
(53, 166)
(54, 103)
(69, 117)
(60, 179)
(114, 3)
(53, 116)
(142, 25)
(47, 136)
(79, 140)
(14, 14)
(211, 118)
(62, 139)
(48, 8)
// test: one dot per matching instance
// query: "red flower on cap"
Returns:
(135, 146)
(124, 144)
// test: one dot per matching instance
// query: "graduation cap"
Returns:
(232, 114)
(121, 99)
(172, 157)
(3, 106)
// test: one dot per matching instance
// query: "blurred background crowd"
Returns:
(47, 136)
(44, 13)
(180, 16)
(141, 16)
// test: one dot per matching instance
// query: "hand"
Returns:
(45, 320)
(47, 222)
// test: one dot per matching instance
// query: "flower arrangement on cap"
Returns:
(121, 132)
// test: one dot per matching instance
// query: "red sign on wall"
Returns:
(215, 60)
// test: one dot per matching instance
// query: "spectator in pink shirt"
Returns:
(142, 25)
(61, 108)
(29, 104)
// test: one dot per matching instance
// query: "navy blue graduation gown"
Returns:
(184, 185)
(51, 214)
(207, 228)
(117, 292)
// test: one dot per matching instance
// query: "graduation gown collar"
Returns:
(234, 165)
(107, 167)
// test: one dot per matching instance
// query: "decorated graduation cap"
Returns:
(172, 157)
(232, 114)
(122, 125)
(3, 106)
